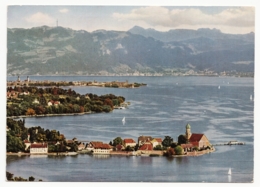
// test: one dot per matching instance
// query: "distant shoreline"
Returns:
(51, 115)
(133, 76)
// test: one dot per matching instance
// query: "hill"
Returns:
(56, 50)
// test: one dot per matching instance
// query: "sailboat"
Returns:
(123, 120)
(218, 87)
(229, 171)
(251, 97)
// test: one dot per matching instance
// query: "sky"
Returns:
(228, 19)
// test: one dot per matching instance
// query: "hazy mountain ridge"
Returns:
(57, 50)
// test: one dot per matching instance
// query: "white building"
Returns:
(39, 148)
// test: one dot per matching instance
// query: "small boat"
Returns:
(218, 87)
(123, 120)
(251, 97)
(229, 171)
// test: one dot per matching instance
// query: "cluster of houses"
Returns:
(146, 144)
(14, 94)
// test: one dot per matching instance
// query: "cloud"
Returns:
(40, 18)
(240, 17)
(64, 10)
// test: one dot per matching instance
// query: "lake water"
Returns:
(162, 108)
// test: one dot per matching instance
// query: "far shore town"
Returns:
(190, 144)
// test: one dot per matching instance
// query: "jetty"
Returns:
(233, 142)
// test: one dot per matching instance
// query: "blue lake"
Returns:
(219, 107)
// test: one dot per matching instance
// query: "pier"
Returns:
(230, 143)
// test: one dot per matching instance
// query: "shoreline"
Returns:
(51, 115)
(114, 153)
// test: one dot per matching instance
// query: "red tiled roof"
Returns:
(100, 145)
(39, 145)
(97, 144)
(106, 146)
(129, 140)
(146, 147)
(195, 137)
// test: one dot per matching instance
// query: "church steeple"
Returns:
(188, 132)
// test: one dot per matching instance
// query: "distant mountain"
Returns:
(185, 34)
(57, 50)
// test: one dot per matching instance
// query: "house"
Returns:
(93, 144)
(187, 147)
(142, 139)
(99, 148)
(12, 94)
(39, 148)
(129, 142)
(81, 146)
(49, 103)
(36, 101)
(156, 141)
(87, 97)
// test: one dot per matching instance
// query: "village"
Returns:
(190, 144)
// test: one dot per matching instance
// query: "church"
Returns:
(196, 140)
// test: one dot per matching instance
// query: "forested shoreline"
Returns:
(31, 101)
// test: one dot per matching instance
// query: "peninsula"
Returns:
(46, 101)
(112, 84)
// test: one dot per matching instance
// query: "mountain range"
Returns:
(62, 51)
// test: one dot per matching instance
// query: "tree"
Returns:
(170, 152)
(117, 140)
(182, 139)
(178, 150)
(9, 176)
(108, 102)
(30, 112)
(31, 178)
(167, 141)
(13, 143)
(158, 147)
(128, 148)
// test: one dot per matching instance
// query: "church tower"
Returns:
(188, 132)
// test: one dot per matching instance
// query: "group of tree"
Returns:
(17, 133)
(68, 102)
(10, 177)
